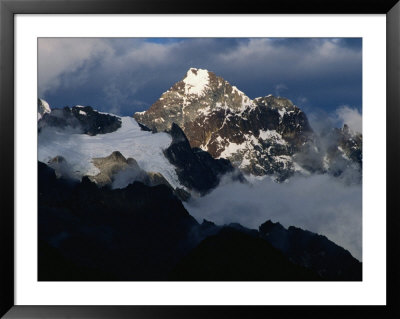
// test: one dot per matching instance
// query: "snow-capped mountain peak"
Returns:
(200, 92)
(258, 136)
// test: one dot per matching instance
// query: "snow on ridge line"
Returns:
(79, 149)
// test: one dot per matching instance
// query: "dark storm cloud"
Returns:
(127, 75)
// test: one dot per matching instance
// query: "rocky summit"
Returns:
(258, 136)
(264, 136)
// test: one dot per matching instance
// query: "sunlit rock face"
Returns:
(258, 136)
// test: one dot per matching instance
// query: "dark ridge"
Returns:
(145, 233)
(313, 251)
(195, 168)
(83, 119)
(232, 255)
(144, 127)
(125, 232)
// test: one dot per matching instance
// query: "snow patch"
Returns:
(196, 81)
(272, 135)
(284, 159)
(82, 112)
(233, 148)
(246, 101)
(282, 112)
(205, 111)
(45, 106)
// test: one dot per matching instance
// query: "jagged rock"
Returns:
(111, 165)
(81, 119)
(62, 168)
(196, 169)
(349, 144)
(343, 154)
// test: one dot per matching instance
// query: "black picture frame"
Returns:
(8, 8)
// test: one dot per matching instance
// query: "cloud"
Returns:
(319, 203)
(114, 73)
(351, 117)
(58, 56)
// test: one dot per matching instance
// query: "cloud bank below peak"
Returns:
(318, 203)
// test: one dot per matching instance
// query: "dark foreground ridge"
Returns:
(254, 260)
(313, 251)
(144, 233)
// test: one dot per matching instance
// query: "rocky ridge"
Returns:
(83, 119)
(313, 251)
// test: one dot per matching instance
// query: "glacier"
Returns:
(79, 149)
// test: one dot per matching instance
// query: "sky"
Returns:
(126, 75)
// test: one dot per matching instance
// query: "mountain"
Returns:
(345, 151)
(80, 141)
(81, 151)
(110, 196)
(260, 136)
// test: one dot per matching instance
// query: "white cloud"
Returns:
(351, 117)
(315, 57)
(116, 69)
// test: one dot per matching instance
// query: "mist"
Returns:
(319, 203)
(128, 176)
